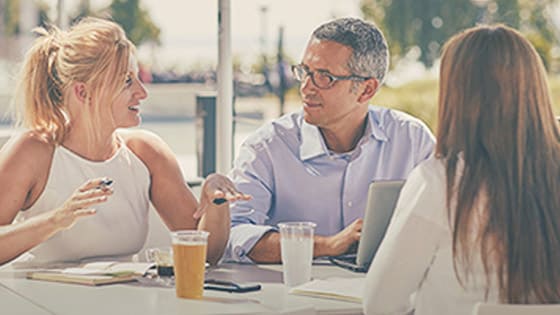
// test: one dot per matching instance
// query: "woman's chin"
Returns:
(132, 123)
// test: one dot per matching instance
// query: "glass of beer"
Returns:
(189, 259)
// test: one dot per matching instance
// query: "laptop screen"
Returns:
(381, 201)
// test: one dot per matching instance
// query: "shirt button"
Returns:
(349, 203)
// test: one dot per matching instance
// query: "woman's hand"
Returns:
(93, 192)
(217, 190)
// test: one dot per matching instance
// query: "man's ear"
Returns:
(369, 90)
(80, 91)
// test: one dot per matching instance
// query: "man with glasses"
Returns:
(316, 165)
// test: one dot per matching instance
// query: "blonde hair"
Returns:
(95, 52)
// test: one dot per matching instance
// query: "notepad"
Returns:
(96, 273)
(344, 289)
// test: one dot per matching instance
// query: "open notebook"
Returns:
(96, 273)
(345, 289)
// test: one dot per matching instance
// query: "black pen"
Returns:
(219, 201)
(105, 183)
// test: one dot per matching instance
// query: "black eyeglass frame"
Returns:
(333, 78)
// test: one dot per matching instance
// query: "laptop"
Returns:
(381, 201)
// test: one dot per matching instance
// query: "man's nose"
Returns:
(307, 84)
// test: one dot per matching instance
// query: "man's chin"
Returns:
(309, 119)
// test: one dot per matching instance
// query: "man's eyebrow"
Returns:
(320, 70)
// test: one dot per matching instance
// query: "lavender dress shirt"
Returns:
(287, 168)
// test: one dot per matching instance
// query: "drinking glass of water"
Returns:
(296, 244)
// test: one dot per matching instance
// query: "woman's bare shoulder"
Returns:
(27, 146)
(148, 146)
(25, 159)
(141, 139)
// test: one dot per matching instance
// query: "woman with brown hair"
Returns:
(480, 220)
(76, 90)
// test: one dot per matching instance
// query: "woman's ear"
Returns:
(369, 90)
(80, 92)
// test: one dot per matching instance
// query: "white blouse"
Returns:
(413, 268)
(120, 225)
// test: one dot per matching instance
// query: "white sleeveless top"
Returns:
(120, 225)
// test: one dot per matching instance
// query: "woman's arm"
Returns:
(173, 199)
(24, 167)
(215, 217)
(408, 248)
(15, 239)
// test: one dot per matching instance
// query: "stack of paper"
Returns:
(95, 273)
(345, 289)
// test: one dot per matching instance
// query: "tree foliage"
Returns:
(135, 20)
(10, 14)
(427, 24)
(11, 17)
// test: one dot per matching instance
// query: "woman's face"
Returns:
(126, 107)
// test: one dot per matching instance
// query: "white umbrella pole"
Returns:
(224, 117)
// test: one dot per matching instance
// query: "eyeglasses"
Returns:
(320, 78)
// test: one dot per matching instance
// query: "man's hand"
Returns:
(339, 243)
(267, 249)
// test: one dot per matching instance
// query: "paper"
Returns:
(95, 273)
(81, 278)
(345, 289)
(110, 268)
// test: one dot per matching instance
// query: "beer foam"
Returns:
(190, 242)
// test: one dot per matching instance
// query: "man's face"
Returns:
(339, 104)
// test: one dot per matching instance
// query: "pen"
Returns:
(219, 201)
(105, 183)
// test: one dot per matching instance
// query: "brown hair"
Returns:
(94, 51)
(495, 116)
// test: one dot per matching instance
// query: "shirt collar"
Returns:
(375, 127)
(313, 144)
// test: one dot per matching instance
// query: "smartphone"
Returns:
(228, 286)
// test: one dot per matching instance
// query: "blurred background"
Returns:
(177, 44)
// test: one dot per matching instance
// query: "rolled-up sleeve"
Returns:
(242, 239)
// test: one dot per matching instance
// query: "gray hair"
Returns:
(370, 55)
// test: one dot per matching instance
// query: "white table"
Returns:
(39, 297)
(12, 303)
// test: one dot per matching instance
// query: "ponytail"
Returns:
(95, 52)
(40, 90)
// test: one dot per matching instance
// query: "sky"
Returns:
(190, 27)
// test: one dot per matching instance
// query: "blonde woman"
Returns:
(479, 221)
(78, 187)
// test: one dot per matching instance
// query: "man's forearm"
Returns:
(267, 249)
(321, 247)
